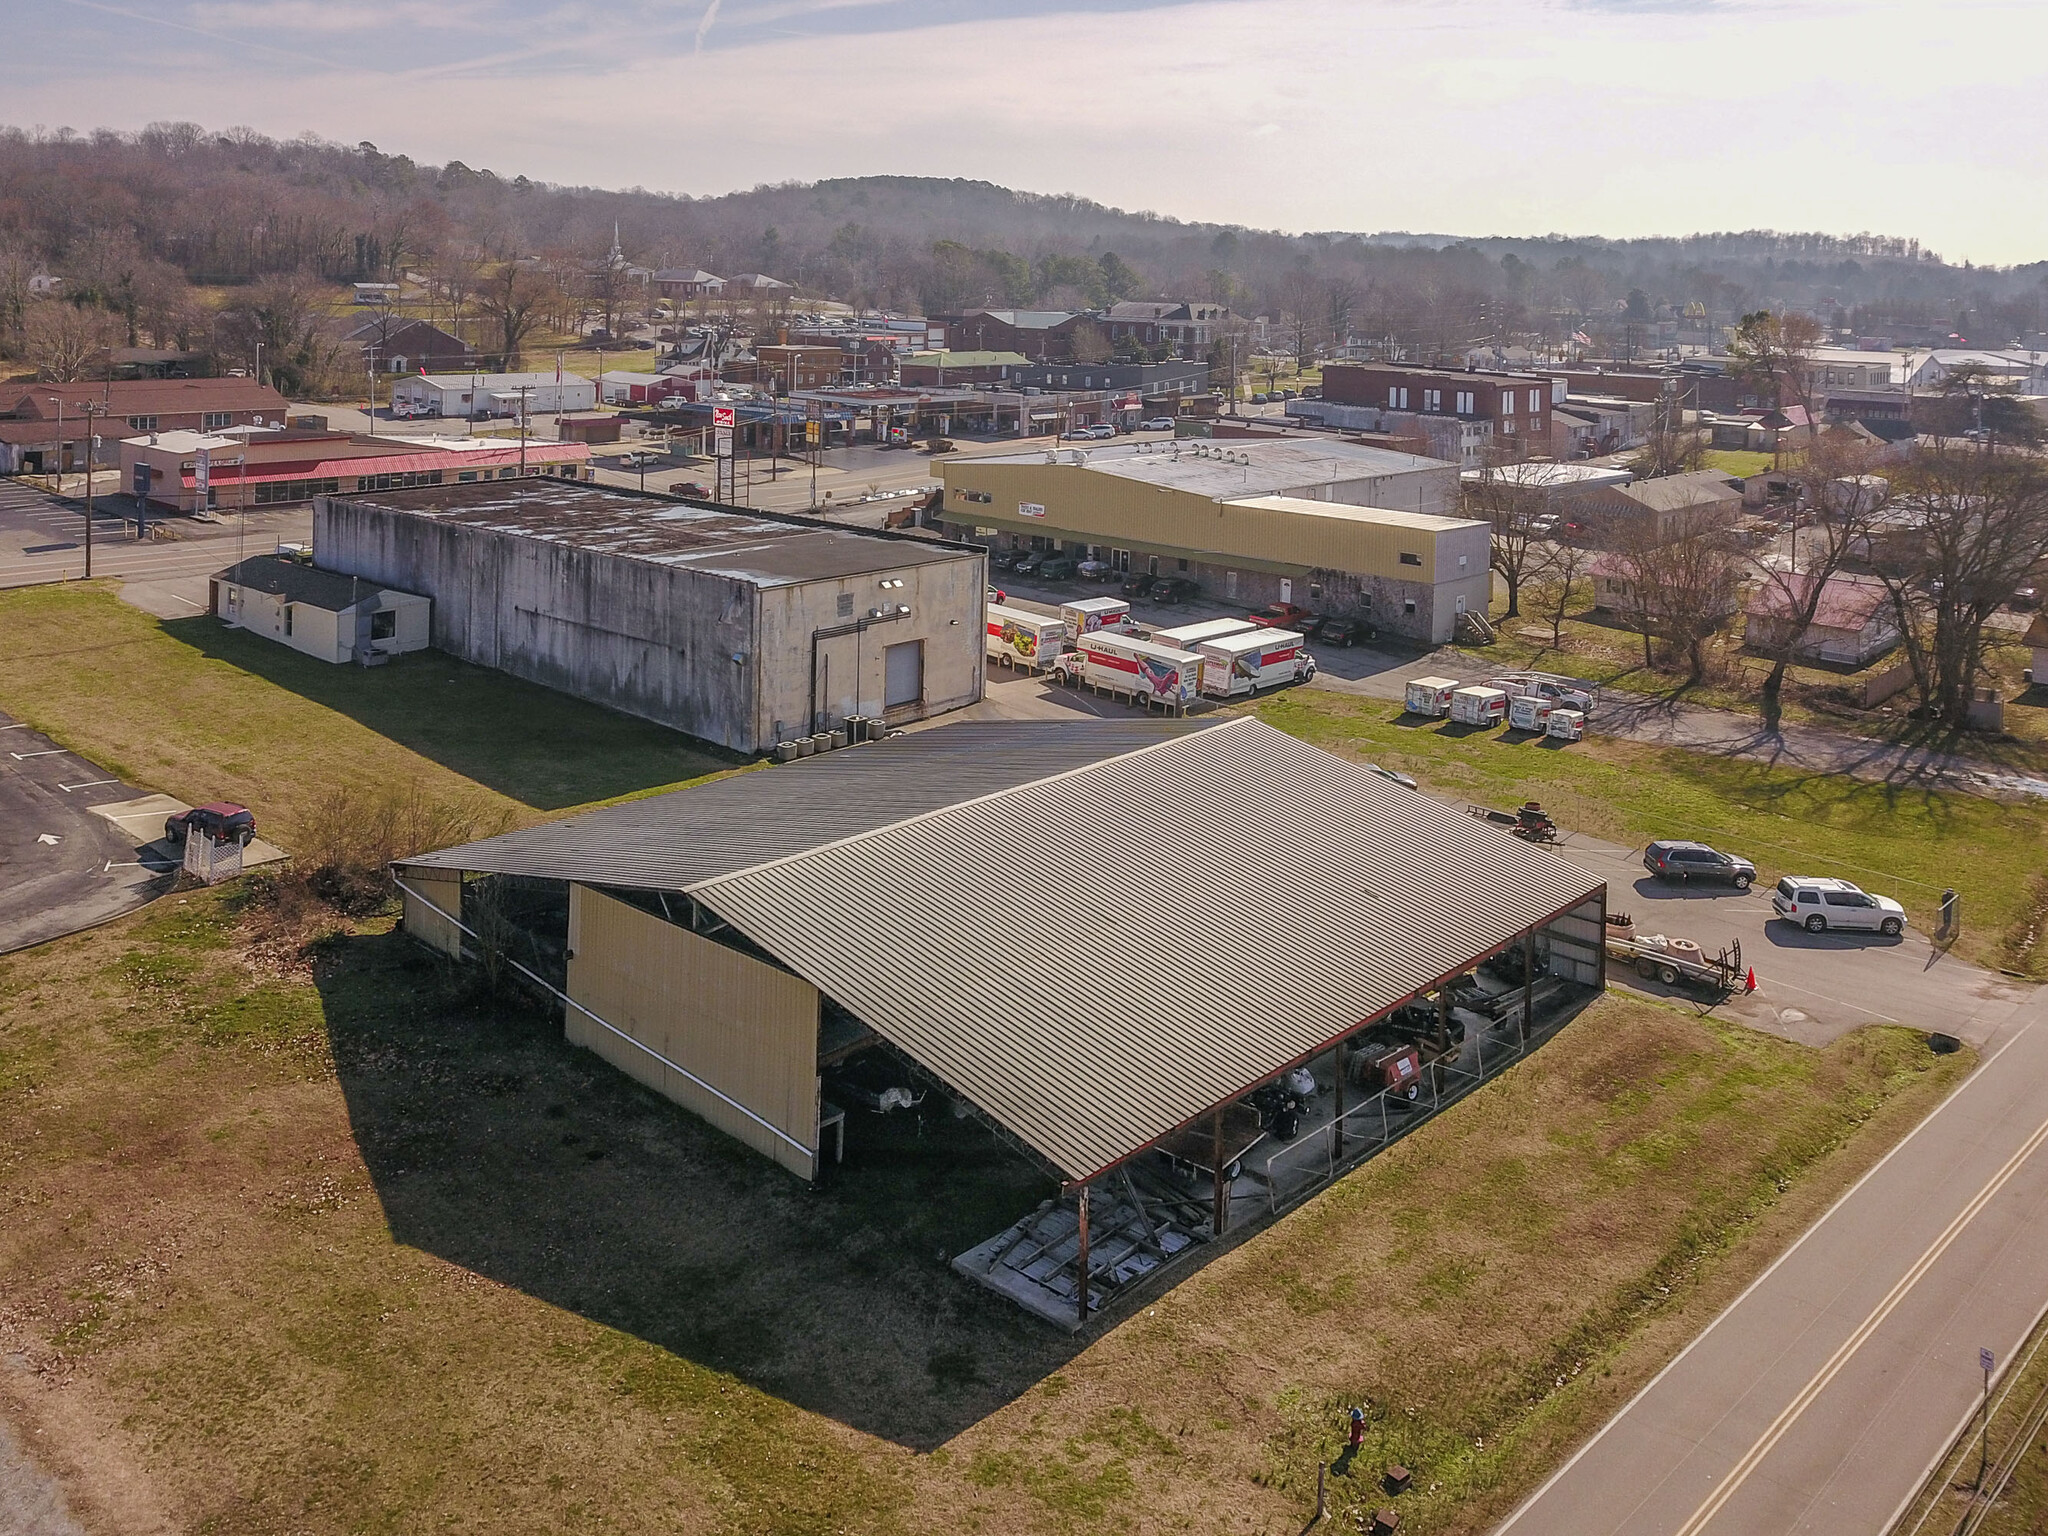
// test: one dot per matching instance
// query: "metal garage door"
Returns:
(903, 676)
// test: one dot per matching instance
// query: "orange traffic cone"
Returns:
(1752, 980)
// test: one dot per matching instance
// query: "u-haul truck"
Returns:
(1152, 674)
(1259, 658)
(1086, 615)
(1189, 637)
(1020, 638)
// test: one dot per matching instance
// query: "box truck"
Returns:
(1431, 695)
(1089, 614)
(1125, 664)
(1187, 637)
(1020, 638)
(1258, 658)
(1529, 713)
(1479, 706)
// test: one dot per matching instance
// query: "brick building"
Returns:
(44, 431)
(1042, 335)
(1513, 405)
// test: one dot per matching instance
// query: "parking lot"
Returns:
(67, 867)
(1812, 987)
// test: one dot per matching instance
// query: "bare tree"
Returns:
(1978, 526)
(512, 295)
(1509, 495)
(1340, 296)
(1839, 500)
(1778, 350)
(302, 350)
(1682, 580)
(1302, 306)
(67, 341)
(1672, 447)
(1558, 570)
(610, 287)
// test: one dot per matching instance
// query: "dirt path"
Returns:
(31, 1502)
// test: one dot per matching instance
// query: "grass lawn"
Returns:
(303, 1235)
(204, 712)
(1736, 461)
(1604, 650)
(1908, 842)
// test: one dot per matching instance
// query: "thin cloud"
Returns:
(704, 24)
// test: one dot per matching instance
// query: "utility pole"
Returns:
(522, 429)
(370, 354)
(93, 411)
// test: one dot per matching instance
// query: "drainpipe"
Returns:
(857, 627)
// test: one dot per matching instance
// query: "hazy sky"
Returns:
(1619, 117)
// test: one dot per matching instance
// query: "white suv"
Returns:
(1818, 904)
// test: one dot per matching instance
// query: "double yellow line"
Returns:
(1783, 1423)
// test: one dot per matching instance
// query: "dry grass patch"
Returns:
(204, 712)
(298, 1233)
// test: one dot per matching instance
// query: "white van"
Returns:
(1818, 903)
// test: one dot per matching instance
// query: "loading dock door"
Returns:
(903, 674)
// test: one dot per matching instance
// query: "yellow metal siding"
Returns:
(1098, 508)
(747, 1028)
(444, 890)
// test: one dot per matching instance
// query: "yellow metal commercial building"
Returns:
(1333, 526)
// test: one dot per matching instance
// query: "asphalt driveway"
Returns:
(1812, 987)
(64, 866)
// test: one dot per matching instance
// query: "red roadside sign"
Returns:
(721, 415)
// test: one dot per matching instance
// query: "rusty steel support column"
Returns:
(1081, 1265)
(1528, 982)
(1222, 1210)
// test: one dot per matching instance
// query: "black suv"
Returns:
(1173, 589)
(1696, 861)
(1137, 583)
(222, 820)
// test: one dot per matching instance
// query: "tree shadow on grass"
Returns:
(539, 747)
(498, 1147)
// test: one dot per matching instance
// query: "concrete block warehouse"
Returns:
(741, 628)
(1103, 939)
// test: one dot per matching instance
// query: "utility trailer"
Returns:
(1659, 957)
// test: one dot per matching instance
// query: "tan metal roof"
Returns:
(1096, 958)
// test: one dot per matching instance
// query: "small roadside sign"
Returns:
(721, 416)
(722, 442)
(814, 432)
(1986, 1361)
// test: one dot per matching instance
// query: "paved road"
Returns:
(1820, 1399)
(41, 540)
(62, 868)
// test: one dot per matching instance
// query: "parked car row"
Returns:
(1817, 903)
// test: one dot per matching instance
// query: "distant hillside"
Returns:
(126, 218)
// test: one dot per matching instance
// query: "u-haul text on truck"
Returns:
(1259, 658)
(1019, 638)
(1153, 674)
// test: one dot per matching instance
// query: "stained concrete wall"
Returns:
(652, 640)
(946, 603)
(720, 658)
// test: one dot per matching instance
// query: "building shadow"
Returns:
(539, 747)
(498, 1147)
